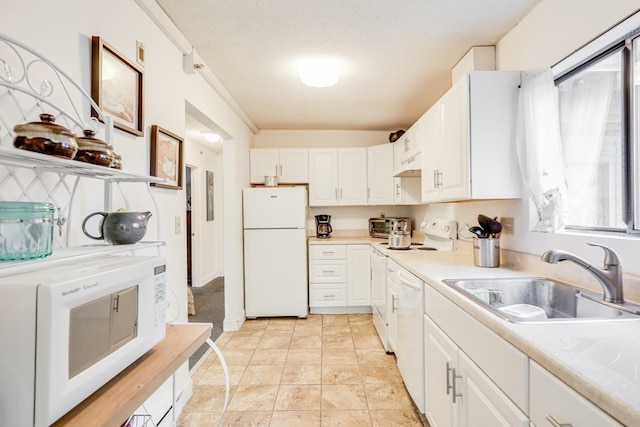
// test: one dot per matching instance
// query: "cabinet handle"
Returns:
(336, 191)
(435, 179)
(327, 252)
(328, 271)
(394, 307)
(449, 387)
(328, 296)
(397, 189)
(455, 377)
(280, 170)
(440, 184)
(554, 423)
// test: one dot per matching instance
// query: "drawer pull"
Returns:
(554, 423)
(327, 253)
(329, 296)
(449, 386)
(328, 271)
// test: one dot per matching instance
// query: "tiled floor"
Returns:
(326, 370)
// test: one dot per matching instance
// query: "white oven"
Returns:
(67, 330)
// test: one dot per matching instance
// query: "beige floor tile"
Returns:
(262, 375)
(295, 419)
(388, 396)
(281, 324)
(363, 329)
(341, 374)
(269, 356)
(301, 374)
(335, 319)
(380, 374)
(306, 341)
(340, 340)
(339, 356)
(304, 356)
(243, 342)
(307, 330)
(207, 399)
(236, 357)
(214, 375)
(223, 339)
(277, 341)
(348, 396)
(336, 329)
(371, 356)
(253, 398)
(366, 341)
(255, 324)
(312, 319)
(199, 419)
(298, 397)
(346, 418)
(246, 419)
(250, 333)
(360, 319)
(395, 418)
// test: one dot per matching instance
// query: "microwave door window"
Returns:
(88, 334)
(124, 317)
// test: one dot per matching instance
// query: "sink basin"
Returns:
(539, 300)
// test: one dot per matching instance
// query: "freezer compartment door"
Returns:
(277, 207)
(275, 270)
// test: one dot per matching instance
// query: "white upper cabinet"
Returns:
(290, 165)
(338, 176)
(469, 135)
(380, 175)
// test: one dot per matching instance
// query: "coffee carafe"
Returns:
(323, 226)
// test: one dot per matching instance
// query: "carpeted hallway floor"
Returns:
(209, 307)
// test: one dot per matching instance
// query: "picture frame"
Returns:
(166, 158)
(209, 194)
(117, 87)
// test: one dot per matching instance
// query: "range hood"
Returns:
(411, 167)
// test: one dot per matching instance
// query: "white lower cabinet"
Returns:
(458, 392)
(339, 278)
(553, 403)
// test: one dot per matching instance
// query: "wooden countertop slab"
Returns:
(118, 399)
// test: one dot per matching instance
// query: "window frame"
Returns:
(618, 38)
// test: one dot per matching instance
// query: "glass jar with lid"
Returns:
(26, 230)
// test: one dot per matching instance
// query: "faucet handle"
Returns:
(611, 258)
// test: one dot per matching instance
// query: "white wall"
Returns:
(61, 30)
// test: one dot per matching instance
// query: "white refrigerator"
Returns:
(275, 251)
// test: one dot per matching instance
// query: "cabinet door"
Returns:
(352, 176)
(431, 130)
(440, 360)
(380, 178)
(294, 166)
(358, 275)
(323, 177)
(453, 153)
(482, 403)
(392, 310)
(263, 162)
(551, 400)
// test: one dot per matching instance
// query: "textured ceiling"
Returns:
(396, 55)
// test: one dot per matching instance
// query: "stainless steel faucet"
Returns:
(610, 277)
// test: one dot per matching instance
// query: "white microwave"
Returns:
(68, 330)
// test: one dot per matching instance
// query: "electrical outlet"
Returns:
(507, 224)
(178, 225)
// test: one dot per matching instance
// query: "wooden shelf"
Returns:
(117, 400)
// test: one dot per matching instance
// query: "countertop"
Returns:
(600, 359)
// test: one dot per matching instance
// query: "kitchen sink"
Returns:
(541, 300)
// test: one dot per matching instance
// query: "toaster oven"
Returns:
(382, 227)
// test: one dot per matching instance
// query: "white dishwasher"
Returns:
(410, 339)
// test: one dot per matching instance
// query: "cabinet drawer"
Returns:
(550, 397)
(334, 295)
(327, 251)
(328, 271)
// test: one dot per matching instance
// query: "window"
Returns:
(599, 109)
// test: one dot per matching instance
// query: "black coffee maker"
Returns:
(323, 226)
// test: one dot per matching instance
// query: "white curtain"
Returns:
(538, 143)
(584, 112)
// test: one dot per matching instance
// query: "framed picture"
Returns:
(166, 158)
(117, 87)
(209, 196)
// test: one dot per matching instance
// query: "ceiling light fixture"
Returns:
(319, 72)
(210, 136)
